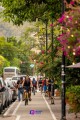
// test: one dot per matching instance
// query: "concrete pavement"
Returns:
(37, 109)
(56, 109)
(40, 108)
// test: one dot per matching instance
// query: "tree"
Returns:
(19, 11)
(3, 63)
(70, 38)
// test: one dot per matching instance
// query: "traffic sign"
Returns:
(32, 65)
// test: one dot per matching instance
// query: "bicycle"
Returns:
(26, 97)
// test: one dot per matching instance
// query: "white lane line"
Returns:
(18, 117)
(15, 110)
(9, 109)
(53, 116)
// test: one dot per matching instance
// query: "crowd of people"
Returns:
(47, 86)
(25, 83)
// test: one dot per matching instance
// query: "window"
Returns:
(9, 70)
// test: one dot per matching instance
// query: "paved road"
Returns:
(56, 109)
(40, 107)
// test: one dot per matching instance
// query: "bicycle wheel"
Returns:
(26, 101)
(26, 98)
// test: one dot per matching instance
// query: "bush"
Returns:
(73, 98)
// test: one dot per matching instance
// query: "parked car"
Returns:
(1, 102)
(15, 79)
(3, 95)
(8, 79)
(12, 89)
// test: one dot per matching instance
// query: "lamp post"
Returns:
(63, 104)
(52, 55)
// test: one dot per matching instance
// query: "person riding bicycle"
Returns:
(34, 84)
(27, 86)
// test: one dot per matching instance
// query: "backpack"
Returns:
(34, 82)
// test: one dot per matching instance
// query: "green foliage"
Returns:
(72, 76)
(3, 63)
(73, 98)
(19, 11)
(13, 52)
(15, 62)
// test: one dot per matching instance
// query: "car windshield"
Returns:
(16, 78)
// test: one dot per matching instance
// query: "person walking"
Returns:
(44, 86)
(49, 88)
(20, 88)
(34, 85)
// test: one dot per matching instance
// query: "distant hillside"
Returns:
(5, 30)
(8, 29)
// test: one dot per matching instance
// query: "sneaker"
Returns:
(30, 99)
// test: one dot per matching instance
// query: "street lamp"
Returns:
(52, 55)
(63, 104)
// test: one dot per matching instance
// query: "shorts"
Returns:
(45, 87)
(27, 88)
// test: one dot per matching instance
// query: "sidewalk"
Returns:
(40, 108)
(37, 109)
(56, 109)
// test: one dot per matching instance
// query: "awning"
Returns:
(77, 65)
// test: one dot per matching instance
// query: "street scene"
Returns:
(40, 105)
(39, 59)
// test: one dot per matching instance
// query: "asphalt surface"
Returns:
(40, 108)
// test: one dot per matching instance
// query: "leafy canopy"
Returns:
(19, 11)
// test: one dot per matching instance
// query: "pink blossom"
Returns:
(51, 25)
(78, 50)
(43, 51)
(65, 53)
(62, 48)
(62, 18)
(41, 62)
(70, 18)
(58, 38)
(65, 41)
(72, 2)
(78, 39)
(48, 51)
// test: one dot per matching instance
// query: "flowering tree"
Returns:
(70, 36)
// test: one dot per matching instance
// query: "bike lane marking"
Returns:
(9, 109)
(18, 117)
(15, 110)
(53, 116)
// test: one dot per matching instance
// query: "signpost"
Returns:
(32, 65)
